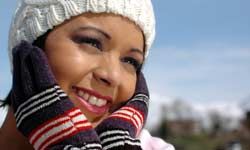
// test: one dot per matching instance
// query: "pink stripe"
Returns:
(64, 134)
(49, 123)
(128, 118)
(139, 113)
(75, 118)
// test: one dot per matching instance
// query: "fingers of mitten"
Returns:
(116, 133)
(56, 122)
(140, 103)
(141, 85)
(22, 77)
(41, 107)
(114, 126)
(128, 118)
(133, 114)
(43, 75)
(31, 71)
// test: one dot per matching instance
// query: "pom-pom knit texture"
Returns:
(34, 17)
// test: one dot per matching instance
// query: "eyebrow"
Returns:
(95, 29)
(109, 37)
(137, 51)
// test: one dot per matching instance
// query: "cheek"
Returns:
(67, 66)
(127, 88)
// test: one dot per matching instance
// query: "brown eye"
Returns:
(133, 62)
(88, 40)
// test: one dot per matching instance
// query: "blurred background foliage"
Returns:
(190, 133)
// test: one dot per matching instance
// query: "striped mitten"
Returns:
(120, 129)
(43, 112)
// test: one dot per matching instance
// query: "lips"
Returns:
(93, 101)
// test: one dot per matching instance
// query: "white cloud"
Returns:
(198, 111)
(205, 72)
(156, 104)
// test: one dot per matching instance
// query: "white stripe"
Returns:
(73, 148)
(66, 147)
(47, 126)
(36, 109)
(77, 119)
(58, 137)
(121, 143)
(113, 132)
(141, 95)
(61, 119)
(91, 145)
(36, 102)
(84, 147)
(83, 125)
(119, 137)
(72, 113)
(142, 100)
(52, 132)
(57, 129)
(35, 97)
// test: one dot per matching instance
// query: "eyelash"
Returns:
(97, 44)
(89, 40)
(130, 60)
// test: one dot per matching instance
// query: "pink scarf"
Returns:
(149, 142)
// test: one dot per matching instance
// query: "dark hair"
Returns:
(39, 42)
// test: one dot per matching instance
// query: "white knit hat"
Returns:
(34, 17)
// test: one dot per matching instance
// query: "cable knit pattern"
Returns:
(34, 17)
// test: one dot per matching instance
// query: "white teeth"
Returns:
(86, 96)
(101, 102)
(92, 100)
(80, 93)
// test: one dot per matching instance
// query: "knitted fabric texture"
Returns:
(43, 112)
(34, 17)
(48, 118)
(121, 127)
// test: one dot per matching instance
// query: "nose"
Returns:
(108, 71)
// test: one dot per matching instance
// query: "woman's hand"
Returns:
(120, 129)
(46, 116)
(42, 110)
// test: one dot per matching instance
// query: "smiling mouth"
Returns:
(93, 101)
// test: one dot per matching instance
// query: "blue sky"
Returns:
(201, 51)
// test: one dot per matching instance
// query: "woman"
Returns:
(77, 81)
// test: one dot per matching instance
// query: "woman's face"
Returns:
(94, 58)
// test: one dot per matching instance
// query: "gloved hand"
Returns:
(43, 112)
(119, 130)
